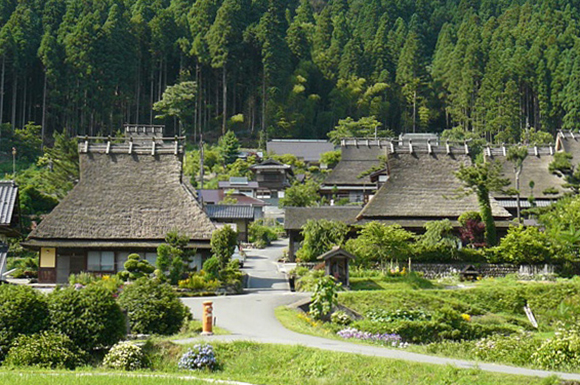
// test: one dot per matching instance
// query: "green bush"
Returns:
(415, 327)
(525, 245)
(212, 266)
(200, 282)
(89, 316)
(82, 278)
(340, 318)
(560, 352)
(153, 307)
(260, 235)
(46, 350)
(125, 356)
(515, 349)
(135, 268)
(23, 311)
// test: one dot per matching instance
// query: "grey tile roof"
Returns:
(229, 212)
(306, 149)
(127, 197)
(296, 217)
(8, 201)
(423, 186)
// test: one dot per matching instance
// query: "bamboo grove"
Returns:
(292, 68)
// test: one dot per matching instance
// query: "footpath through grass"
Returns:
(278, 364)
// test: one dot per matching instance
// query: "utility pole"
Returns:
(14, 161)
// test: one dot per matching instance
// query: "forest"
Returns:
(289, 68)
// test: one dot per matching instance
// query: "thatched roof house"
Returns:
(349, 179)
(130, 195)
(536, 180)
(421, 187)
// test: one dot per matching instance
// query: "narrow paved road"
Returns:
(251, 317)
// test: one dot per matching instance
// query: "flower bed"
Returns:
(393, 340)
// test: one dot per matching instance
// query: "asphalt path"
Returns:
(251, 317)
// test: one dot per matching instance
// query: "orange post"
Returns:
(207, 320)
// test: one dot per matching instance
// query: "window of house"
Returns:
(151, 258)
(101, 261)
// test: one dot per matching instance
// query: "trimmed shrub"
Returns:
(45, 350)
(198, 357)
(125, 356)
(24, 311)
(89, 316)
(153, 307)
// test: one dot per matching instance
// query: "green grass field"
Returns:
(277, 365)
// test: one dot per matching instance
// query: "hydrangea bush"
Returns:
(125, 356)
(393, 340)
(198, 357)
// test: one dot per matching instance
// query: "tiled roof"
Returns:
(229, 212)
(307, 149)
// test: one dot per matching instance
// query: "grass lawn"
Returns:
(278, 364)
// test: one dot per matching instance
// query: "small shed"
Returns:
(469, 273)
(336, 263)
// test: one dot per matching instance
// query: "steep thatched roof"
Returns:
(422, 185)
(569, 142)
(535, 168)
(355, 159)
(126, 197)
(296, 217)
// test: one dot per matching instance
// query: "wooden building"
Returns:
(130, 195)
(273, 178)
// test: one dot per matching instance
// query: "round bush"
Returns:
(46, 350)
(198, 357)
(89, 316)
(152, 307)
(24, 311)
(125, 356)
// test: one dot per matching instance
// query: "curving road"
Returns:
(251, 317)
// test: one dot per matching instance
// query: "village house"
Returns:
(273, 178)
(350, 178)
(414, 184)
(129, 196)
(537, 185)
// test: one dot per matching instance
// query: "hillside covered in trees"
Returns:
(290, 68)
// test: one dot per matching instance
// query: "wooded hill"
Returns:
(293, 68)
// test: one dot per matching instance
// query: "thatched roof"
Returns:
(355, 159)
(124, 197)
(569, 142)
(423, 186)
(296, 217)
(535, 168)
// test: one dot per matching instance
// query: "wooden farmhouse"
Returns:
(129, 196)
(417, 186)
(421, 186)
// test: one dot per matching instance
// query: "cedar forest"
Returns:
(290, 69)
